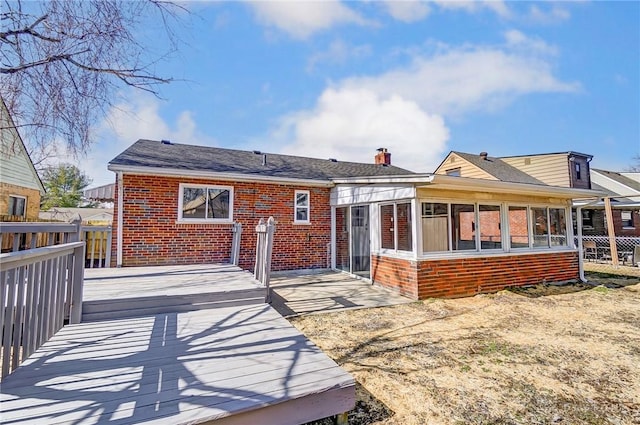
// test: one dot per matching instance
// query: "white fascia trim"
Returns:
(496, 186)
(410, 178)
(212, 175)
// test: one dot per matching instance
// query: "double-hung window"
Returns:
(627, 219)
(203, 203)
(17, 205)
(302, 207)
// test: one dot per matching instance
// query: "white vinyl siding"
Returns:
(467, 169)
(16, 168)
(549, 169)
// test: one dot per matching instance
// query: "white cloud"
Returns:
(127, 122)
(554, 14)
(474, 6)
(518, 40)
(407, 11)
(301, 19)
(403, 109)
(459, 80)
(339, 53)
(351, 124)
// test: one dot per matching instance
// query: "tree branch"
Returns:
(4, 35)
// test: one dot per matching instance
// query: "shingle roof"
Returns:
(148, 153)
(498, 168)
(620, 178)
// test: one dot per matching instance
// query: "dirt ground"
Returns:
(539, 355)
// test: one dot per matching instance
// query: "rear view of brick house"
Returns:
(421, 235)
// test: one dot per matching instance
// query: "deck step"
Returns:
(142, 306)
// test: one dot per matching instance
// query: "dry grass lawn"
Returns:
(524, 357)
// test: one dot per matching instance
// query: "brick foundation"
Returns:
(450, 278)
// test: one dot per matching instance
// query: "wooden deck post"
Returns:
(77, 280)
(342, 419)
(235, 243)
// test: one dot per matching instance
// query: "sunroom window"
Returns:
(205, 203)
(490, 228)
(518, 227)
(459, 227)
(396, 227)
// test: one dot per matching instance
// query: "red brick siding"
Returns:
(152, 235)
(470, 276)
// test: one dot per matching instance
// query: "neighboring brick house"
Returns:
(624, 189)
(422, 235)
(20, 185)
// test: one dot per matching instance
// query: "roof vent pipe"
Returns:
(264, 160)
(483, 155)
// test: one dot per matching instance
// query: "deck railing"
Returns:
(98, 252)
(39, 289)
(264, 249)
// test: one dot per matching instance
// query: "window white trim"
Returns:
(206, 187)
(24, 212)
(297, 207)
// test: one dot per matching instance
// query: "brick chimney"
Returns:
(383, 157)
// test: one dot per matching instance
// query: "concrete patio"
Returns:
(296, 293)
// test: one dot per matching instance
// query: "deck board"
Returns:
(231, 365)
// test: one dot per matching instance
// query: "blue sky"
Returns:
(341, 79)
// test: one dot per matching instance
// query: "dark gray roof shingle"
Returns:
(148, 153)
(499, 169)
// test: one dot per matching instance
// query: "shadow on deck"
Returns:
(232, 364)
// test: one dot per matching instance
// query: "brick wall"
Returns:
(32, 195)
(447, 278)
(152, 235)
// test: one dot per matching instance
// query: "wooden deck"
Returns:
(235, 363)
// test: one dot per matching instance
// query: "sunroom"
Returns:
(443, 236)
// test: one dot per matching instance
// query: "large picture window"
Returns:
(205, 203)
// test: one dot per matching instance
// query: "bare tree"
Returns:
(635, 166)
(62, 62)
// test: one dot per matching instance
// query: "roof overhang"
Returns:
(439, 181)
(497, 186)
(212, 175)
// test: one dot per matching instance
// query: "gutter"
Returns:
(580, 248)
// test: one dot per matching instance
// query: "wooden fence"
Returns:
(40, 288)
(22, 236)
(263, 253)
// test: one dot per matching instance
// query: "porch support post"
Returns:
(120, 219)
(611, 231)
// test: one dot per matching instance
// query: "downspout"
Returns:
(120, 220)
(579, 225)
